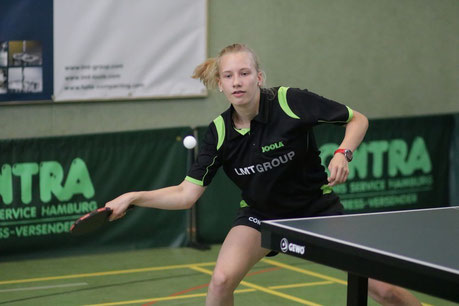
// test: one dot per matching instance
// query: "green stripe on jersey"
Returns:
(282, 97)
(326, 189)
(351, 114)
(243, 204)
(194, 181)
(220, 125)
(349, 118)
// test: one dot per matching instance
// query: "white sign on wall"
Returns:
(128, 49)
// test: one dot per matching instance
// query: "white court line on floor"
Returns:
(43, 287)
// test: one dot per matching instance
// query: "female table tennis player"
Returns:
(265, 143)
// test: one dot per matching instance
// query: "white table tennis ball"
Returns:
(189, 142)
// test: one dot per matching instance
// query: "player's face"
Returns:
(239, 78)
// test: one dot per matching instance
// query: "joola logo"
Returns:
(273, 146)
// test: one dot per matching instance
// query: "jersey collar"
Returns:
(261, 117)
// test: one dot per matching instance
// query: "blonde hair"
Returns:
(208, 73)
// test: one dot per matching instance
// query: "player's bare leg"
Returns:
(239, 252)
(390, 295)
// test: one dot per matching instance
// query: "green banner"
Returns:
(47, 183)
(402, 163)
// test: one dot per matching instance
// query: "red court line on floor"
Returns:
(264, 271)
(206, 285)
(180, 293)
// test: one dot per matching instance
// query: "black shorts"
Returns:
(326, 205)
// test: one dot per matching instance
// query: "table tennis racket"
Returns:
(91, 221)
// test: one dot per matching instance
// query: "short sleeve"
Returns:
(208, 159)
(315, 109)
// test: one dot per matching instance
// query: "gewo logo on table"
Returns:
(292, 247)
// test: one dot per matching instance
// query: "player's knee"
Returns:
(385, 297)
(221, 283)
(385, 294)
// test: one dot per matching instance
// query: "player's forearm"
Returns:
(164, 198)
(355, 132)
(182, 196)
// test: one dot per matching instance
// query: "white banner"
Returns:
(127, 49)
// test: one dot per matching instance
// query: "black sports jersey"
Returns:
(276, 164)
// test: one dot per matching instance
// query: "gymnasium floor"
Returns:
(168, 276)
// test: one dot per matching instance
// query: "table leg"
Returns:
(357, 290)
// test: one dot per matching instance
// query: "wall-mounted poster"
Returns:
(65, 50)
(26, 50)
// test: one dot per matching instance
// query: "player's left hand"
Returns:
(339, 170)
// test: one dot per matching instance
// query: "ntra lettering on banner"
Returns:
(51, 181)
(401, 158)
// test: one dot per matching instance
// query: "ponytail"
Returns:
(207, 72)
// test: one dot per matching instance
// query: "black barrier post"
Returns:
(193, 214)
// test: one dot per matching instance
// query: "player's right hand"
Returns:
(119, 206)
